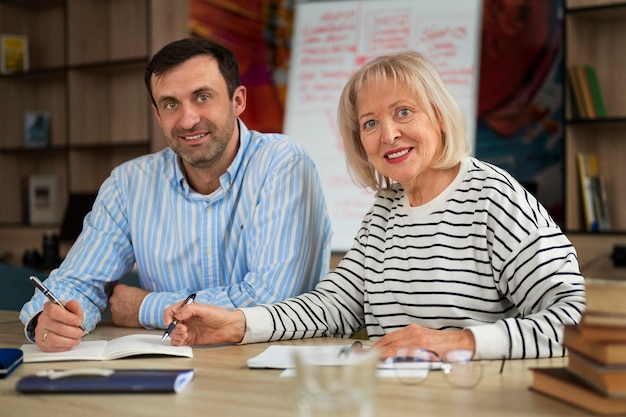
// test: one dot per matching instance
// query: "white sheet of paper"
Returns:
(281, 357)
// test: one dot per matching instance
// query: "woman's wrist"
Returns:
(238, 327)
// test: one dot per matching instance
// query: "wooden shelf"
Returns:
(595, 35)
(43, 22)
(115, 111)
(121, 28)
(38, 91)
(98, 162)
(16, 166)
(87, 62)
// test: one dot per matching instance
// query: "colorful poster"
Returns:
(519, 120)
(259, 34)
(520, 99)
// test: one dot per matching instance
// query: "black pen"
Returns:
(51, 297)
(170, 329)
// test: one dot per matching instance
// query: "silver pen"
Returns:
(51, 297)
(345, 351)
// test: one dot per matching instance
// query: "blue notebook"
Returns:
(9, 360)
(106, 381)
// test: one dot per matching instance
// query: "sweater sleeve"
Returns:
(542, 279)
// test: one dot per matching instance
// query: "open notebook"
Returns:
(102, 350)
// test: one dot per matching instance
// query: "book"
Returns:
(593, 193)
(118, 380)
(13, 54)
(606, 296)
(577, 94)
(616, 321)
(607, 379)
(587, 168)
(599, 332)
(604, 352)
(43, 199)
(600, 204)
(37, 129)
(103, 350)
(559, 383)
(586, 92)
(596, 93)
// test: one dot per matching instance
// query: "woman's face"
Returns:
(397, 134)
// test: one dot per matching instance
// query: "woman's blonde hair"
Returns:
(412, 71)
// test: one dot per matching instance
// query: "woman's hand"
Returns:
(415, 336)
(203, 324)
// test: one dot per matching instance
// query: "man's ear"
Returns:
(156, 114)
(239, 100)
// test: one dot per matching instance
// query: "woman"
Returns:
(454, 253)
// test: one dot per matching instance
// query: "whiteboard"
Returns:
(331, 40)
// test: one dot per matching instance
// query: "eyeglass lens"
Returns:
(413, 368)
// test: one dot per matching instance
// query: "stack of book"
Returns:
(585, 89)
(595, 376)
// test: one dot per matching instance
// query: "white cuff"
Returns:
(258, 321)
(492, 341)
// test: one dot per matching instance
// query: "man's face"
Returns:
(196, 114)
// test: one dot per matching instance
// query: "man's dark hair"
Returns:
(177, 52)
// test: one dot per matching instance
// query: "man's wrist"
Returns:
(31, 326)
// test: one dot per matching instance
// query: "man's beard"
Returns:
(210, 152)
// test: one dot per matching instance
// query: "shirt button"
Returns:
(209, 209)
(209, 252)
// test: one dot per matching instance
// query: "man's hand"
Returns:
(415, 336)
(202, 324)
(125, 303)
(57, 327)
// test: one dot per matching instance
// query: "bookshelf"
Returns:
(87, 59)
(595, 32)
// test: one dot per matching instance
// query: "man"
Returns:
(234, 215)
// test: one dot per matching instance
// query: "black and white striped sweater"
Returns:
(483, 255)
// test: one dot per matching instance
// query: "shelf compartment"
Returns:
(43, 22)
(121, 25)
(90, 167)
(15, 166)
(593, 36)
(30, 92)
(109, 105)
(608, 141)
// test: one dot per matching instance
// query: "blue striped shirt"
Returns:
(261, 237)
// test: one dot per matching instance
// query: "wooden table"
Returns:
(224, 387)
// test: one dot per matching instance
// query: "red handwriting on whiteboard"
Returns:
(387, 31)
(443, 40)
(325, 49)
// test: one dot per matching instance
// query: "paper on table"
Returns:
(99, 350)
(281, 357)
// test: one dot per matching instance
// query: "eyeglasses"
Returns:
(412, 367)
